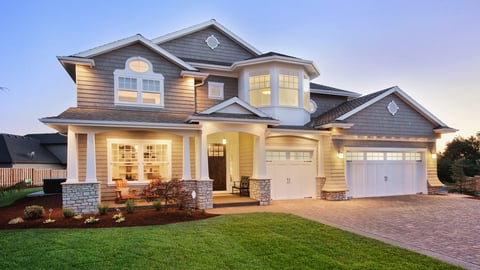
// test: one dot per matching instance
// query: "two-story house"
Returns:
(202, 105)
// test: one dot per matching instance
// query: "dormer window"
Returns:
(138, 85)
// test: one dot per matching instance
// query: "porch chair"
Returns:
(243, 186)
(123, 192)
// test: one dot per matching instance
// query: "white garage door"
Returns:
(385, 173)
(292, 174)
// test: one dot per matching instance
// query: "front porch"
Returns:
(219, 200)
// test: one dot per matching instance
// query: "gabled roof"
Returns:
(83, 58)
(204, 25)
(130, 40)
(338, 115)
(23, 149)
(269, 57)
(327, 90)
(233, 110)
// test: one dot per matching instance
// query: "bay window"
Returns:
(260, 89)
(288, 88)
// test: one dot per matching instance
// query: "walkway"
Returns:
(445, 227)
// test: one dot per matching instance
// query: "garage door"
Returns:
(385, 173)
(292, 174)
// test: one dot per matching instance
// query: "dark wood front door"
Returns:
(217, 160)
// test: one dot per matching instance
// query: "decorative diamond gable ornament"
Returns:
(212, 42)
(392, 108)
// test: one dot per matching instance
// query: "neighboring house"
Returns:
(204, 106)
(39, 151)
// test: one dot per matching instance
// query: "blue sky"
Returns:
(430, 49)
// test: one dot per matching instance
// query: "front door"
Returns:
(217, 166)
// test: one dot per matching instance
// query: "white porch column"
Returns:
(259, 166)
(204, 175)
(91, 175)
(187, 175)
(72, 156)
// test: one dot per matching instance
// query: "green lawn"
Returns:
(246, 241)
(8, 197)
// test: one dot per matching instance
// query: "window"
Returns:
(260, 91)
(375, 156)
(288, 88)
(289, 155)
(139, 160)
(394, 156)
(137, 84)
(355, 156)
(215, 90)
(413, 156)
(306, 95)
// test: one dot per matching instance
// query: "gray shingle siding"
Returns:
(325, 103)
(230, 89)
(96, 86)
(193, 46)
(375, 120)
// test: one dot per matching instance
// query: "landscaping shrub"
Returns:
(33, 211)
(102, 208)
(130, 206)
(67, 212)
(157, 205)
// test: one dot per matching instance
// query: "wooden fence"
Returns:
(11, 176)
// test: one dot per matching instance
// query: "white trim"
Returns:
(201, 26)
(129, 40)
(140, 161)
(382, 138)
(384, 149)
(76, 61)
(123, 124)
(194, 74)
(444, 130)
(310, 66)
(225, 120)
(402, 95)
(334, 93)
(139, 77)
(337, 125)
(216, 84)
(231, 101)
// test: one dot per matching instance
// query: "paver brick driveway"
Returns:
(442, 226)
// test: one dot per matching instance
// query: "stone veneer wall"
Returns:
(320, 183)
(203, 190)
(335, 195)
(260, 190)
(82, 198)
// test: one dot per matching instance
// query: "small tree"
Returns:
(458, 175)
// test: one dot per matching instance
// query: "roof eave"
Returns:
(310, 66)
(335, 125)
(226, 120)
(123, 124)
(445, 130)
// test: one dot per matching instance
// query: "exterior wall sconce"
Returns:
(434, 156)
(340, 155)
(224, 141)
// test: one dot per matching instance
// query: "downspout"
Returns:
(202, 82)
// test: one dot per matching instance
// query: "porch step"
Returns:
(235, 204)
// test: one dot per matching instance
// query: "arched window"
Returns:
(138, 85)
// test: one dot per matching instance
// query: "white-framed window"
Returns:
(306, 95)
(215, 90)
(138, 85)
(139, 160)
(394, 156)
(260, 89)
(375, 156)
(305, 156)
(416, 156)
(288, 88)
(355, 156)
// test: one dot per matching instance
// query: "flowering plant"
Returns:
(118, 216)
(91, 220)
(49, 220)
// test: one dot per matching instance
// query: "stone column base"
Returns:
(334, 195)
(260, 190)
(82, 198)
(203, 190)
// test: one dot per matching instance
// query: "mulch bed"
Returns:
(140, 217)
